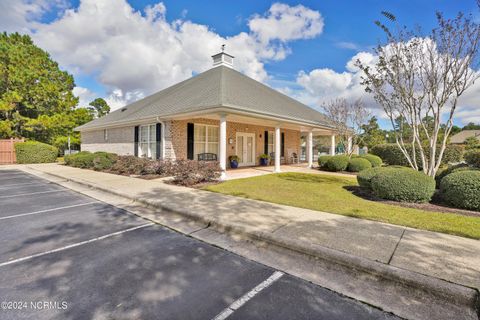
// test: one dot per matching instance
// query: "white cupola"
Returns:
(223, 59)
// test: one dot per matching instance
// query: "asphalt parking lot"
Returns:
(64, 255)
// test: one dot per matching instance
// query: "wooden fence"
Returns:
(7, 150)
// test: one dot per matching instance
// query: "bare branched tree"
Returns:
(420, 79)
(348, 119)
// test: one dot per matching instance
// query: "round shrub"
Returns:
(337, 163)
(358, 164)
(82, 159)
(451, 169)
(322, 161)
(104, 160)
(403, 185)
(365, 177)
(473, 158)
(376, 161)
(461, 189)
(35, 152)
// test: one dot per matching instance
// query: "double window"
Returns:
(147, 141)
(205, 139)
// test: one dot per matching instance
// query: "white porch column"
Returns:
(332, 145)
(277, 149)
(223, 146)
(310, 149)
(349, 145)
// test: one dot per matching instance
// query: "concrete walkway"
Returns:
(248, 172)
(440, 256)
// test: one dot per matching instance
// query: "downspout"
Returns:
(162, 135)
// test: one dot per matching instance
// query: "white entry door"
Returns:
(246, 148)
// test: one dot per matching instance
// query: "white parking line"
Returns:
(75, 245)
(46, 210)
(249, 295)
(31, 193)
(20, 184)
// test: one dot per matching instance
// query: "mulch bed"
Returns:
(436, 205)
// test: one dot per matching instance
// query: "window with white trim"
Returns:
(147, 141)
(271, 142)
(205, 139)
(105, 134)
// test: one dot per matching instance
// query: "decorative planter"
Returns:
(263, 161)
(233, 164)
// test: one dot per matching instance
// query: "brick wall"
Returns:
(176, 146)
(120, 141)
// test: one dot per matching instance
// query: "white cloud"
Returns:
(135, 53)
(20, 15)
(321, 85)
(85, 96)
(284, 23)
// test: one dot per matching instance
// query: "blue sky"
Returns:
(310, 62)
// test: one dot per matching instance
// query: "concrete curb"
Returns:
(452, 293)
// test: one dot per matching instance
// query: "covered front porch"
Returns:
(249, 136)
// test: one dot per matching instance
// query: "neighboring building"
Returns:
(460, 137)
(220, 111)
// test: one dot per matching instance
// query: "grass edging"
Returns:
(329, 193)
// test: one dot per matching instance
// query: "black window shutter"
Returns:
(282, 145)
(158, 145)
(135, 150)
(190, 141)
(265, 148)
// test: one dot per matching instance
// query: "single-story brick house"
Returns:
(219, 111)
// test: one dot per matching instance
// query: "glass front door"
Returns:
(246, 149)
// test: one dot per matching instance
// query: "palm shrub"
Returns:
(461, 189)
(400, 184)
(358, 164)
(376, 161)
(337, 163)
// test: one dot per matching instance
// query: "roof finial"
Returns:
(223, 47)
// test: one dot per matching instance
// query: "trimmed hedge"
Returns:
(462, 189)
(442, 173)
(35, 152)
(473, 158)
(392, 155)
(322, 161)
(365, 177)
(104, 161)
(376, 161)
(403, 185)
(337, 163)
(82, 159)
(358, 164)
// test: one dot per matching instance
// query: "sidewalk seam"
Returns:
(396, 246)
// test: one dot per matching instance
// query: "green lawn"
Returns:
(328, 193)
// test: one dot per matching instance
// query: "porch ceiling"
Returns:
(260, 121)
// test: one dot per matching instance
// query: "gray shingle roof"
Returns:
(217, 87)
(462, 135)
